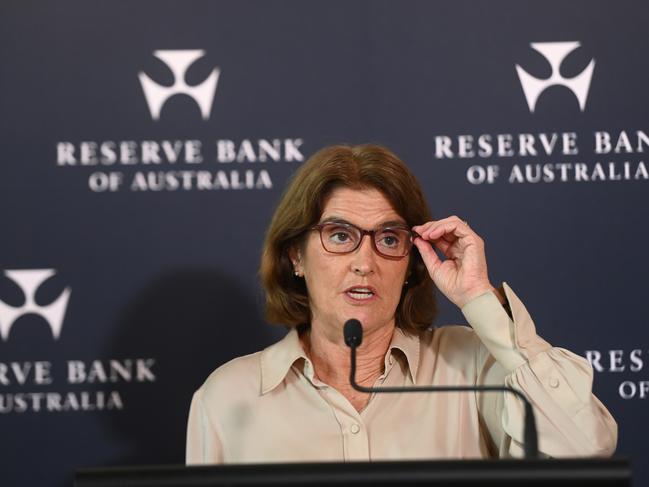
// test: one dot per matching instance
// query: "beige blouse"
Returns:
(269, 407)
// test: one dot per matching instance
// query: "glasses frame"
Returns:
(364, 232)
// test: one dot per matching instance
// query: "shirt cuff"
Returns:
(496, 329)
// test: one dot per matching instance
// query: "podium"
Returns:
(614, 472)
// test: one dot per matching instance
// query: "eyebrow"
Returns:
(385, 224)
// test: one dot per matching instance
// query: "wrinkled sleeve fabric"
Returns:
(571, 421)
(203, 444)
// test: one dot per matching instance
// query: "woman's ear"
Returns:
(296, 259)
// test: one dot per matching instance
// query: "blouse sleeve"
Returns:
(203, 444)
(570, 420)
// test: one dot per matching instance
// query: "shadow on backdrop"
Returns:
(190, 322)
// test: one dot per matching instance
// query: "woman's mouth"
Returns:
(360, 294)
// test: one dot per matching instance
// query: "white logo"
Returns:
(29, 281)
(179, 61)
(555, 53)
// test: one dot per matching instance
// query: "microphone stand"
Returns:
(530, 441)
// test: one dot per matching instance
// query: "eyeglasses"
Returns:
(344, 238)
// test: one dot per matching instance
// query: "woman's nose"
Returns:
(363, 259)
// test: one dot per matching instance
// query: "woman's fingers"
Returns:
(460, 269)
(449, 227)
(444, 235)
(444, 247)
(428, 255)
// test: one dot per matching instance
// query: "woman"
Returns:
(293, 401)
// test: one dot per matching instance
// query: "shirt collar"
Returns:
(409, 345)
(277, 360)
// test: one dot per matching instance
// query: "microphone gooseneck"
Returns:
(353, 333)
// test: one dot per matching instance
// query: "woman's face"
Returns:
(331, 278)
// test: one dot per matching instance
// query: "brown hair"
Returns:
(361, 166)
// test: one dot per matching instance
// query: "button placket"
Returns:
(354, 437)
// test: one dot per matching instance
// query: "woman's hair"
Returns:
(301, 205)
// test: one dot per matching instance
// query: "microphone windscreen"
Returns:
(353, 333)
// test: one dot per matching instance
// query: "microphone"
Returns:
(353, 334)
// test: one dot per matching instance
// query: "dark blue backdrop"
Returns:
(156, 231)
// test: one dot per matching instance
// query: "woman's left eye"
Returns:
(389, 240)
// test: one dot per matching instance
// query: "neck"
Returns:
(332, 362)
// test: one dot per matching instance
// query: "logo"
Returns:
(29, 281)
(179, 61)
(555, 53)
(46, 396)
(179, 162)
(549, 155)
(628, 365)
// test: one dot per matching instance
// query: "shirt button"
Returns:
(355, 428)
(554, 382)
